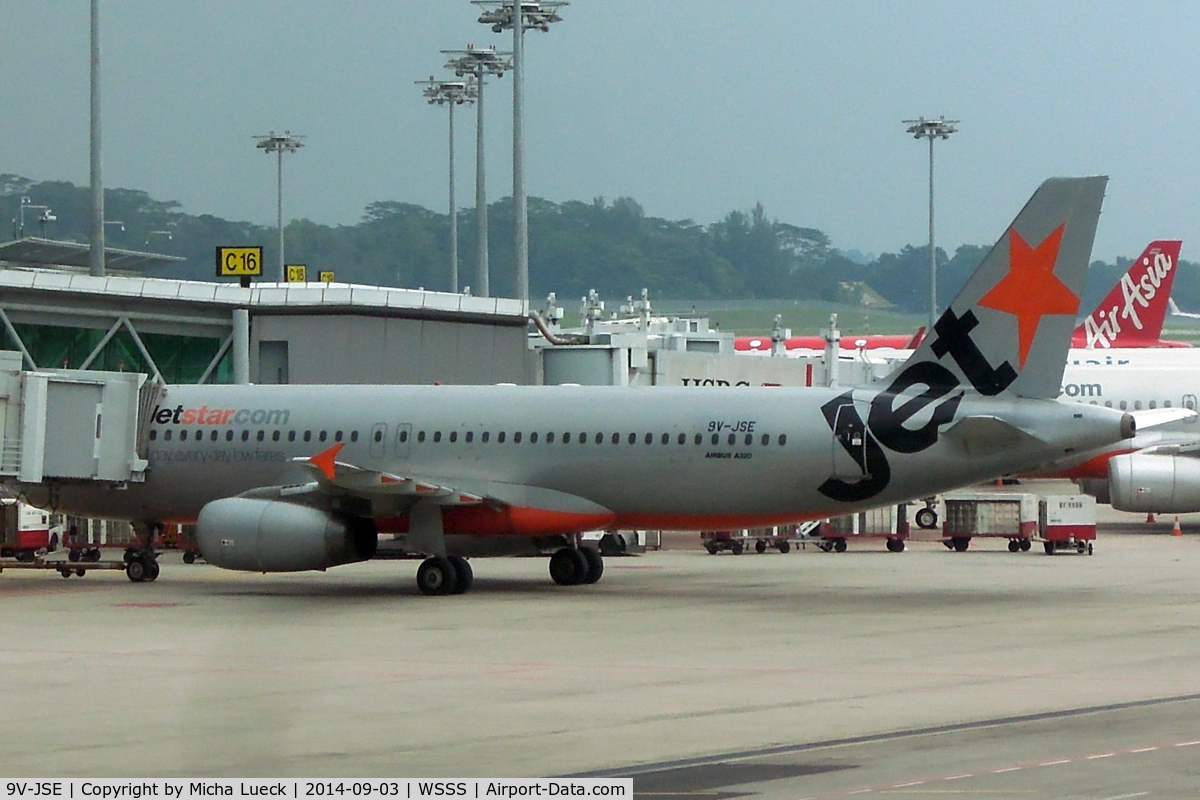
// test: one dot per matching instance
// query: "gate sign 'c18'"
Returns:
(239, 261)
(296, 273)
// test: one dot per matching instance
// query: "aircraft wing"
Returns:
(332, 476)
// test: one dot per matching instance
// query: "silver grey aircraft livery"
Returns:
(286, 478)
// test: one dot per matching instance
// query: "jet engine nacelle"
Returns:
(273, 536)
(1154, 483)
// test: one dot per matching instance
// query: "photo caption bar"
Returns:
(186, 789)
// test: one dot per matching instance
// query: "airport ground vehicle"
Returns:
(26, 531)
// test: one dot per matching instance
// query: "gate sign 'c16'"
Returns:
(239, 261)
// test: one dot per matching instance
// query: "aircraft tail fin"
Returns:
(1010, 327)
(1132, 313)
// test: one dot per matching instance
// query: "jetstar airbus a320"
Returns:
(287, 478)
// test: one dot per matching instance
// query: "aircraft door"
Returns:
(403, 439)
(848, 459)
(378, 439)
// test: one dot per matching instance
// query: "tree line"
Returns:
(612, 247)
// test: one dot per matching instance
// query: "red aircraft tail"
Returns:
(1132, 314)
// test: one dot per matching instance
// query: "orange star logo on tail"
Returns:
(1031, 290)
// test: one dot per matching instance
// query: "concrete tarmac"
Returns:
(922, 673)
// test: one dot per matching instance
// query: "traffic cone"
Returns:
(1150, 518)
(1177, 531)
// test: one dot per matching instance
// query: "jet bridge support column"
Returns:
(241, 346)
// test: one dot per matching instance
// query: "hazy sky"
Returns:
(693, 108)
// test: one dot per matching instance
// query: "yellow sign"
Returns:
(239, 261)
(296, 273)
(325, 276)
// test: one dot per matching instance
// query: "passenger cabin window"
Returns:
(291, 436)
(485, 436)
(517, 437)
(403, 435)
(682, 438)
(666, 438)
(699, 438)
(716, 438)
(616, 438)
(1124, 405)
(550, 437)
(453, 437)
(599, 438)
(782, 439)
(275, 436)
(354, 436)
(749, 438)
(732, 438)
(470, 436)
(421, 436)
(649, 439)
(229, 435)
(1153, 404)
(183, 435)
(322, 437)
(500, 437)
(337, 437)
(766, 439)
(533, 437)
(437, 436)
(245, 436)
(261, 435)
(633, 438)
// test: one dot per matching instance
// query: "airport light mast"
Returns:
(96, 243)
(451, 94)
(931, 129)
(480, 63)
(279, 144)
(539, 15)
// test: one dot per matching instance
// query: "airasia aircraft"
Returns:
(1130, 315)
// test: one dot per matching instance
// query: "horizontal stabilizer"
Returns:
(984, 435)
(1156, 417)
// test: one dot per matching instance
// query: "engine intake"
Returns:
(273, 536)
(1154, 483)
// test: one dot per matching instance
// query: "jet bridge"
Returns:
(73, 425)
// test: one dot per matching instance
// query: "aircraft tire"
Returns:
(135, 570)
(926, 518)
(464, 576)
(152, 569)
(840, 545)
(1014, 546)
(436, 576)
(960, 543)
(760, 547)
(568, 567)
(785, 547)
(595, 564)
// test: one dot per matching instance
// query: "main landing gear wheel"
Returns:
(437, 576)
(895, 545)
(569, 567)
(926, 518)
(595, 563)
(463, 576)
(142, 570)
